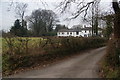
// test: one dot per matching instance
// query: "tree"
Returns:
(42, 21)
(117, 18)
(109, 18)
(49, 17)
(116, 31)
(2, 33)
(59, 26)
(17, 29)
(83, 7)
(93, 18)
(20, 11)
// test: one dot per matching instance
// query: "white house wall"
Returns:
(66, 34)
(86, 33)
(83, 33)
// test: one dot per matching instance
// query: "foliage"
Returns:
(111, 66)
(72, 44)
(109, 18)
(50, 33)
(42, 21)
(18, 30)
(108, 31)
(111, 63)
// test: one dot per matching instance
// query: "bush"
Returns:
(72, 44)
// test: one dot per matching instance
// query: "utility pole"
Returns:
(96, 19)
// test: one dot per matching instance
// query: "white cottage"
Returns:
(80, 32)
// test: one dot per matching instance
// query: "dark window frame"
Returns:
(77, 32)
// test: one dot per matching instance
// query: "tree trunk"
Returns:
(117, 19)
(116, 23)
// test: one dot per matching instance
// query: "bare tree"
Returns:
(108, 18)
(20, 11)
(93, 18)
(83, 7)
(117, 18)
(42, 21)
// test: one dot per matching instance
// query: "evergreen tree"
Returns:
(18, 30)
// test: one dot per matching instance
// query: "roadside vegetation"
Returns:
(110, 65)
(0, 54)
(21, 52)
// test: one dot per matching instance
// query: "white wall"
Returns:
(82, 33)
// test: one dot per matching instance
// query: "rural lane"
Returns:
(84, 65)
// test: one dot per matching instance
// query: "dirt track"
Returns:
(80, 66)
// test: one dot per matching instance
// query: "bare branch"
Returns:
(82, 6)
(21, 9)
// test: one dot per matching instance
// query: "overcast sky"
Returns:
(7, 18)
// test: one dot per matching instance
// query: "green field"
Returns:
(20, 42)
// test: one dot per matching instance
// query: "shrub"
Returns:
(72, 44)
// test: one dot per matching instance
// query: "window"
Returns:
(71, 33)
(77, 33)
(62, 32)
(85, 31)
